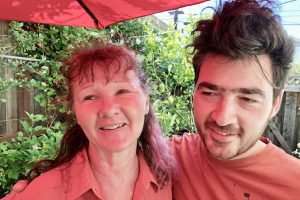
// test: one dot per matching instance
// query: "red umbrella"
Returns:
(85, 13)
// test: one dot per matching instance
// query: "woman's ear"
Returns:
(72, 112)
(147, 104)
(277, 103)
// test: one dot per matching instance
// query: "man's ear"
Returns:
(277, 103)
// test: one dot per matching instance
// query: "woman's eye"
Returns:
(89, 97)
(122, 91)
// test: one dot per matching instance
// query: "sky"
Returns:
(289, 12)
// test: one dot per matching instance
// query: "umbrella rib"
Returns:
(89, 12)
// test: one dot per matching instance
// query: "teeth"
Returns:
(112, 127)
(221, 133)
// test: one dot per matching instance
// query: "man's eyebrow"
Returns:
(211, 86)
(255, 91)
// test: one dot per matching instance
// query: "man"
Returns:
(241, 62)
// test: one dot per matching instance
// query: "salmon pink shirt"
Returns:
(268, 175)
(79, 183)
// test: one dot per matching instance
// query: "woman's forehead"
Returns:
(108, 74)
(108, 69)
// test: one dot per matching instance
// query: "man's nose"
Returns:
(107, 107)
(225, 112)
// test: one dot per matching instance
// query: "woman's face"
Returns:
(111, 109)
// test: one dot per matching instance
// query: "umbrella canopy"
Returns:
(85, 13)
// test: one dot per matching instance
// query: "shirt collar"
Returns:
(145, 181)
(82, 178)
(145, 174)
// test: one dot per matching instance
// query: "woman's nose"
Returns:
(107, 107)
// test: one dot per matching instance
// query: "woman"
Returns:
(115, 150)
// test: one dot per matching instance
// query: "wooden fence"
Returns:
(284, 129)
(18, 101)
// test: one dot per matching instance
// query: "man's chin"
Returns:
(221, 153)
(222, 156)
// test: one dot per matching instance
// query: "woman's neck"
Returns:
(116, 173)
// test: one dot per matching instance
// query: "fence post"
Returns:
(3, 32)
(290, 118)
(281, 140)
(9, 109)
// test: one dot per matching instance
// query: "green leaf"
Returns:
(26, 126)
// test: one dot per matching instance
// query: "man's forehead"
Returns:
(262, 60)
(256, 68)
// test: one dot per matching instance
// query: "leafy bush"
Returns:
(171, 77)
(19, 155)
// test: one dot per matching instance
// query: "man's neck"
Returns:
(255, 149)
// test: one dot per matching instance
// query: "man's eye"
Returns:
(89, 97)
(248, 100)
(122, 91)
(207, 93)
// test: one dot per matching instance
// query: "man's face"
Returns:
(233, 103)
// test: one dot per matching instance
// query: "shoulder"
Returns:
(184, 140)
(48, 180)
(282, 168)
(53, 184)
(186, 146)
(283, 157)
(41, 187)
